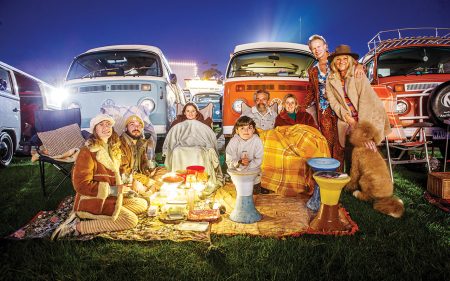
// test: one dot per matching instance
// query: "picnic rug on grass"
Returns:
(443, 204)
(282, 217)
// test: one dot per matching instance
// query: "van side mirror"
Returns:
(173, 78)
(220, 80)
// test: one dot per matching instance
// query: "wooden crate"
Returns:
(439, 184)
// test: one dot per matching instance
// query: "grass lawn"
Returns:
(415, 247)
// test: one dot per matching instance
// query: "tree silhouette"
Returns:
(212, 73)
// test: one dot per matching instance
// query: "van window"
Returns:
(115, 63)
(5, 81)
(287, 64)
(415, 60)
(369, 70)
(206, 98)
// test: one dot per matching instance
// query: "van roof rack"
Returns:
(409, 36)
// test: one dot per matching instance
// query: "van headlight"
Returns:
(56, 97)
(149, 105)
(146, 87)
(237, 106)
(401, 107)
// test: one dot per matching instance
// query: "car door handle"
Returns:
(16, 110)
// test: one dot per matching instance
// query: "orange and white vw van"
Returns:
(278, 67)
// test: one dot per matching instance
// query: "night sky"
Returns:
(41, 37)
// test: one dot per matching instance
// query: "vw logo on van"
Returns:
(108, 103)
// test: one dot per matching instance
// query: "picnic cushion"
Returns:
(57, 142)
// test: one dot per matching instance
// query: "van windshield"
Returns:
(415, 60)
(115, 63)
(260, 64)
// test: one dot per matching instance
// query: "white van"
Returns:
(124, 76)
(20, 95)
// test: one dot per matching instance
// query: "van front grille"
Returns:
(260, 87)
(92, 89)
(291, 88)
(420, 86)
(125, 87)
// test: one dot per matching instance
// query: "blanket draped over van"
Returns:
(193, 143)
(286, 150)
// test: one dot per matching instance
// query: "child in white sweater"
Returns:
(245, 149)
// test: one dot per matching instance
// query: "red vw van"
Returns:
(414, 63)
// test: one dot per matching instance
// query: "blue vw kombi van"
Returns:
(124, 76)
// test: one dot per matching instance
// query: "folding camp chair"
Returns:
(58, 131)
(417, 143)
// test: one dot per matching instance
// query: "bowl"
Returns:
(195, 169)
(173, 179)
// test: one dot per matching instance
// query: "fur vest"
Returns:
(132, 152)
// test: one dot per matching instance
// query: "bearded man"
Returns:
(261, 113)
(134, 155)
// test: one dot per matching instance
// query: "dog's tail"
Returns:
(391, 206)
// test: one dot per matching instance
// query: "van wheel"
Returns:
(439, 104)
(6, 149)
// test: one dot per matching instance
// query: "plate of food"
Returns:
(175, 179)
(172, 218)
(193, 226)
(209, 215)
(173, 213)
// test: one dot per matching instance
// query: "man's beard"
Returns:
(261, 107)
(133, 136)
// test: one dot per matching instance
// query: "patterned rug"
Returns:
(148, 228)
(282, 216)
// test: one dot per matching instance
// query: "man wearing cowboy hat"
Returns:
(134, 154)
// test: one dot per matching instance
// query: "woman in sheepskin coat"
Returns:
(353, 99)
(99, 190)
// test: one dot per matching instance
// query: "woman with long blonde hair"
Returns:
(353, 99)
(292, 114)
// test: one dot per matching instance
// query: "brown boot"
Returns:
(257, 188)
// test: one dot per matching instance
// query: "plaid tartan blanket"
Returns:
(286, 149)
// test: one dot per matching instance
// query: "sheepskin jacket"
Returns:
(369, 106)
(95, 171)
(133, 155)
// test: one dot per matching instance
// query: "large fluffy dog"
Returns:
(369, 172)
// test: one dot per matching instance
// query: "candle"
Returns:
(191, 199)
